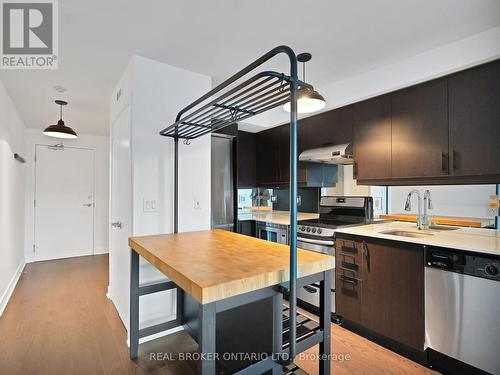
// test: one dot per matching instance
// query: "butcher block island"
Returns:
(229, 297)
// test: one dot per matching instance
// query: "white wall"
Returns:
(448, 200)
(155, 93)
(159, 92)
(101, 146)
(11, 196)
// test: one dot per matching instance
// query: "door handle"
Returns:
(117, 224)
(87, 205)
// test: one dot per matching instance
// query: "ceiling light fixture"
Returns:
(308, 100)
(60, 130)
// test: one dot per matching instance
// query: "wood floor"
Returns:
(59, 321)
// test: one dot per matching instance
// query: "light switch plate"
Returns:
(149, 205)
(377, 203)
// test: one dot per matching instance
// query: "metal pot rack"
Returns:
(225, 105)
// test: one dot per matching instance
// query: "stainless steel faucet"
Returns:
(427, 206)
(420, 218)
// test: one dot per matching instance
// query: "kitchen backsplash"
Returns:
(308, 199)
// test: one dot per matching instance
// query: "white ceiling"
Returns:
(218, 37)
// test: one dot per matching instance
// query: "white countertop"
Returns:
(471, 239)
(275, 217)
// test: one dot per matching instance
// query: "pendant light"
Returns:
(60, 130)
(308, 99)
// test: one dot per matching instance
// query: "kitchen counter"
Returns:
(275, 217)
(227, 296)
(470, 239)
(443, 220)
(217, 264)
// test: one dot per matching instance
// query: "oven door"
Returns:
(272, 234)
(308, 296)
(320, 246)
(268, 234)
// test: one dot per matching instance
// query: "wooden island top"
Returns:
(216, 264)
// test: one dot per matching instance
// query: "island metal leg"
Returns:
(134, 305)
(206, 339)
(278, 331)
(325, 323)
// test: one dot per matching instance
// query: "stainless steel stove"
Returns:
(319, 235)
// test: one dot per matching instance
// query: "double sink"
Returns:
(411, 234)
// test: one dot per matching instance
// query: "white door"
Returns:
(121, 200)
(64, 202)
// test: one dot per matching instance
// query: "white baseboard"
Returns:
(101, 251)
(108, 293)
(10, 288)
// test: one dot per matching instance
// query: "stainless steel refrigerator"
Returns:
(222, 182)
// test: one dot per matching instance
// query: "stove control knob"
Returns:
(308, 229)
(302, 228)
(319, 231)
(492, 270)
(314, 230)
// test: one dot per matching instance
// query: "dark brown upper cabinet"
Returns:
(247, 159)
(442, 131)
(268, 157)
(332, 127)
(372, 138)
(474, 104)
(420, 130)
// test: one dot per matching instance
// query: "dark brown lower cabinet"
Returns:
(388, 286)
(348, 280)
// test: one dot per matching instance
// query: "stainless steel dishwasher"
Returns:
(462, 306)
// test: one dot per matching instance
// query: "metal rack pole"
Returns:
(294, 84)
(293, 208)
(176, 185)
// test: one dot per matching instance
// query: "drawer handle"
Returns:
(350, 266)
(349, 249)
(349, 280)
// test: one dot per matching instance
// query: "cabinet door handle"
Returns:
(444, 161)
(455, 162)
(355, 170)
(366, 254)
